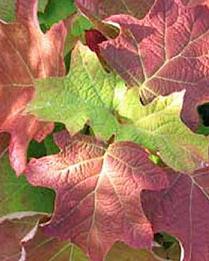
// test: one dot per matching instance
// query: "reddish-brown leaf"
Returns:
(167, 51)
(4, 142)
(195, 2)
(183, 211)
(26, 53)
(37, 244)
(98, 193)
(13, 228)
(101, 9)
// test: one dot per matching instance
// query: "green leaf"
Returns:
(121, 252)
(159, 128)
(80, 24)
(86, 95)
(17, 194)
(89, 94)
(7, 9)
(42, 5)
(56, 11)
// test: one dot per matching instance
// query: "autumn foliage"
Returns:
(103, 130)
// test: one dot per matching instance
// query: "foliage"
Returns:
(103, 130)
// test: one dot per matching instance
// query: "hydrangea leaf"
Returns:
(98, 188)
(17, 194)
(91, 95)
(164, 52)
(13, 228)
(27, 54)
(86, 95)
(101, 9)
(159, 128)
(41, 245)
(183, 211)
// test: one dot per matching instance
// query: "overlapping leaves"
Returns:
(91, 95)
(98, 188)
(27, 54)
(99, 183)
(22, 238)
(183, 211)
(167, 51)
(101, 9)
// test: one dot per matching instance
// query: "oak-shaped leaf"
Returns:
(26, 54)
(101, 9)
(164, 52)
(37, 244)
(98, 193)
(182, 210)
(158, 127)
(89, 94)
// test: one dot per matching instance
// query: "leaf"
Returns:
(124, 253)
(56, 11)
(86, 95)
(194, 2)
(159, 128)
(12, 229)
(7, 9)
(165, 52)
(4, 142)
(80, 24)
(17, 194)
(98, 193)
(183, 211)
(167, 247)
(26, 54)
(101, 9)
(42, 5)
(36, 244)
(28, 241)
(173, 253)
(91, 95)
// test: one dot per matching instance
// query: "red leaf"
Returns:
(26, 53)
(167, 51)
(36, 244)
(98, 193)
(93, 39)
(105, 8)
(183, 211)
(21, 238)
(194, 2)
